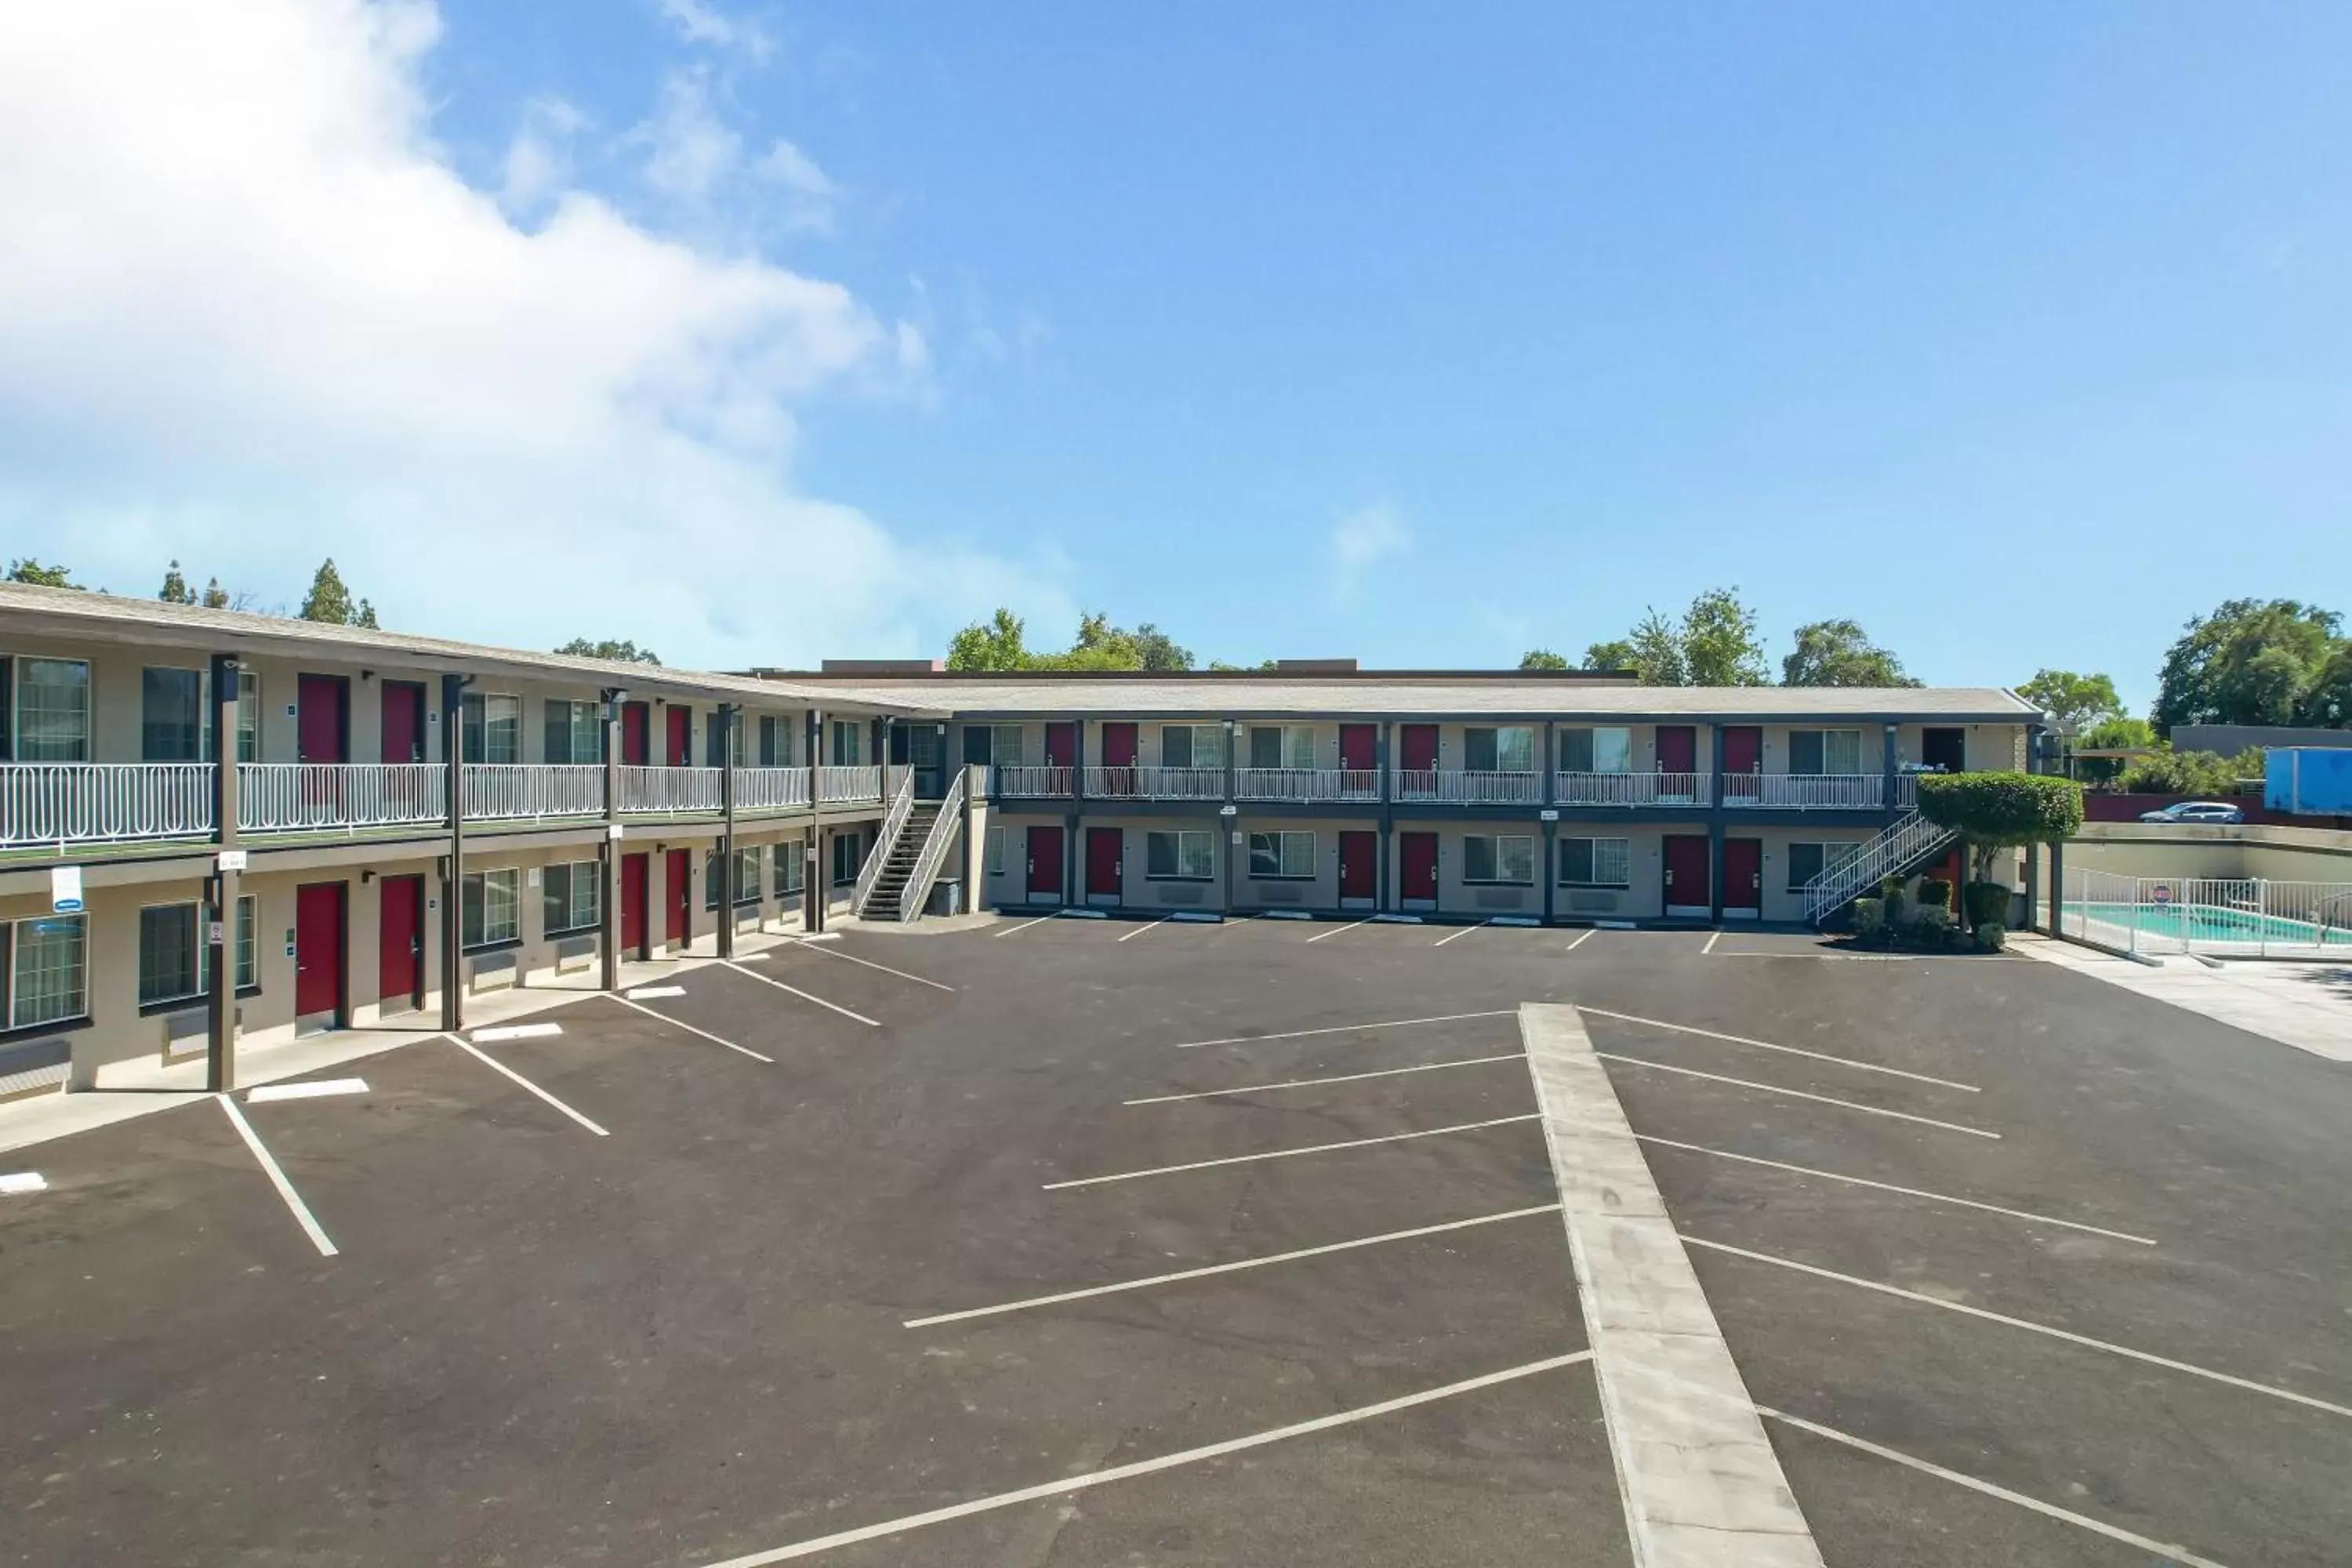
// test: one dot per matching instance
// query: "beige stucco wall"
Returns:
(2275, 854)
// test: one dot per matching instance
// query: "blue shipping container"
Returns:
(2314, 780)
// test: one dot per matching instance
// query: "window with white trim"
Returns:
(1191, 745)
(248, 716)
(1818, 751)
(1809, 861)
(489, 728)
(1600, 749)
(575, 732)
(176, 960)
(48, 709)
(1506, 857)
(1505, 749)
(791, 867)
(1596, 862)
(48, 970)
(1282, 857)
(1282, 745)
(491, 907)
(848, 743)
(1179, 854)
(993, 858)
(572, 897)
(848, 857)
(171, 727)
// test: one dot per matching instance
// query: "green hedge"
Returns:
(2003, 808)
(1987, 902)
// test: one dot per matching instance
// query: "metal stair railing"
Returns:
(917, 890)
(893, 822)
(1910, 838)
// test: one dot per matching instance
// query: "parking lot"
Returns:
(1094, 1241)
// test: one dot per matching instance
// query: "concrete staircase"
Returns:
(901, 856)
(1908, 843)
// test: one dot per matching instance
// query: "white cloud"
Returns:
(690, 150)
(811, 191)
(538, 164)
(1362, 541)
(699, 22)
(254, 318)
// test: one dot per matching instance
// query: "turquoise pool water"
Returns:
(2211, 922)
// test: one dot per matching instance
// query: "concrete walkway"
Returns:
(2307, 1006)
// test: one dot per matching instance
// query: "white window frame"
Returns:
(1299, 868)
(249, 715)
(1003, 755)
(17, 707)
(1598, 859)
(575, 712)
(1836, 852)
(852, 731)
(1208, 744)
(78, 1002)
(1826, 771)
(576, 874)
(992, 852)
(508, 878)
(513, 717)
(790, 867)
(1298, 746)
(1190, 842)
(1496, 856)
(242, 934)
(204, 679)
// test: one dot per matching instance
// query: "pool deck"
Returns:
(2307, 1005)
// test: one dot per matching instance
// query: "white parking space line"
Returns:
(1234, 1267)
(1336, 930)
(1148, 925)
(650, 992)
(16, 1183)
(2179, 1555)
(276, 1177)
(517, 1032)
(2043, 1329)
(1798, 1094)
(810, 944)
(1345, 1028)
(1067, 1484)
(1890, 1188)
(1698, 1479)
(682, 1023)
(1582, 937)
(1025, 925)
(317, 1090)
(803, 996)
(1459, 935)
(1713, 937)
(1856, 1063)
(1285, 1154)
(1310, 1082)
(500, 1067)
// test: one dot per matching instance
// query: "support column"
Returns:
(2033, 884)
(727, 717)
(608, 901)
(1229, 815)
(228, 864)
(2057, 887)
(1887, 759)
(1073, 875)
(815, 887)
(1383, 754)
(1714, 836)
(1550, 859)
(453, 860)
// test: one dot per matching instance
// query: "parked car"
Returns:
(2195, 811)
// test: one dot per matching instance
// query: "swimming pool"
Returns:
(2203, 924)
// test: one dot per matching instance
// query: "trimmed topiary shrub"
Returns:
(1928, 925)
(1992, 936)
(1992, 811)
(1868, 918)
(1987, 902)
(1936, 891)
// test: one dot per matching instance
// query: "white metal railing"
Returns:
(894, 823)
(661, 791)
(1307, 783)
(1461, 786)
(1907, 792)
(945, 826)
(2245, 917)
(532, 792)
(74, 802)
(1805, 791)
(288, 797)
(894, 775)
(1028, 779)
(1903, 843)
(979, 772)
(1630, 789)
(771, 789)
(838, 785)
(1155, 783)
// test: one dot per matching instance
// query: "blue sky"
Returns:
(2016, 333)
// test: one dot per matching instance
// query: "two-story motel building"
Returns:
(391, 823)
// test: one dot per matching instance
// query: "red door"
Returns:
(1743, 748)
(1359, 747)
(1417, 867)
(321, 730)
(636, 735)
(1743, 878)
(404, 721)
(681, 737)
(1677, 749)
(400, 962)
(1045, 863)
(1118, 753)
(1688, 881)
(1417, 748)
(1359, 864)
(318, 950)
(1061, 745)
(1105, 847)
(634, 873)
(678, 895)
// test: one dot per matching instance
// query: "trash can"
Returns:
(947, 898)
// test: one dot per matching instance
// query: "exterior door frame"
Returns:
(678, 897)
(394, 696)
(1116, 894)
(414, 997)
(341, 684)
(1697, 868)
(337, 955)
(636, 904)
(1410, 844)
(1048, 891)
(1743, 863)
(1359, 864)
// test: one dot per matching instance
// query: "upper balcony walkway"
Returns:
(1444, 786)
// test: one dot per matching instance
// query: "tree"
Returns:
(31, 571)
(608, 647)
(1541, 658)
(1612, 656)
(2168, 771)
(998, 644)
(2077, 701)
(2118, 732)
(1992, 811)
(330, 602)
(2250, 662)
(175, 587)
(215, 596)
(993, 643)
(1839, 653)
(1714, 643)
